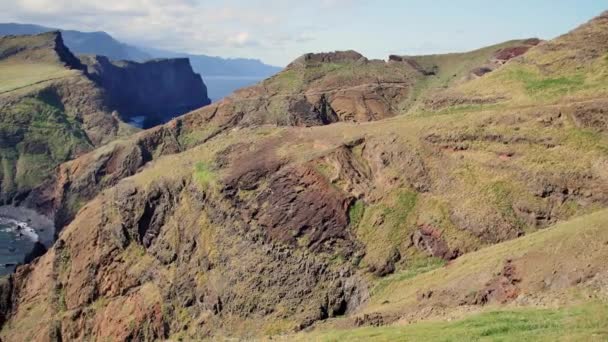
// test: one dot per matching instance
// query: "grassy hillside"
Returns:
(578, 323)
(571, 67)
(323, 88)
(50, 112)
(18, 75)
(555, 313)
(38, 135)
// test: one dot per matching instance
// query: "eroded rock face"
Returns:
(45, 47)
(174, 257)
(81, 106)
(280, 230)
(503, 288)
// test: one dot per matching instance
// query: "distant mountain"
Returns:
(222, 75)
(93, 43)
(218, 66)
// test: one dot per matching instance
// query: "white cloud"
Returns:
(229, 27)
(178, 23)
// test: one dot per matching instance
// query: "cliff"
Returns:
(158, 90)
(42, 48)
(50, 112)
(54, 108)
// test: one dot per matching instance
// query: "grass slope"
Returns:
(18, 75)
(578, 323)
(571, 67)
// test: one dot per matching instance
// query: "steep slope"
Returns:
(316, 89)
(220, 225)
(449, 70)
(154, 91)
(222, 75)
(345, 86)
(50, 111)
(266, 230)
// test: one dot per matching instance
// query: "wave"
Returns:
(19, 228)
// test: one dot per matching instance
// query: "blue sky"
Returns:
(279, 31)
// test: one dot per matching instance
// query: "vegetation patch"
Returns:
(37, 135)
(386, 225)
(413, 268)
(203, 174)
(355, 213)
(587, 140)
(537, 85)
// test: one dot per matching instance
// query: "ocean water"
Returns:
(15, 243)
(219, 87)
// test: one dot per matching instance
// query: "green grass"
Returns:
(203, 174)
(355, 213)
(39, 136)
(414, 268)
(587, 140)
(395, 213)
(287, 81)
(406, 201)
(15, 76)
(580, 323)
(199, 136)
(559, 85)
(499, 193)
(536, 84)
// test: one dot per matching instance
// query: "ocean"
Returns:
(20, 229)
(15, 244)
(219, 87)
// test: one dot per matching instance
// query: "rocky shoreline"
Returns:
(42, 226)
(22, 224)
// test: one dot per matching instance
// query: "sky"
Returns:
(278, 31)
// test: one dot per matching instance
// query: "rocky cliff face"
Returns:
(157, 90)
(45, 47)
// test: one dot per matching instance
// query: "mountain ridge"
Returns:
(83, 43)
